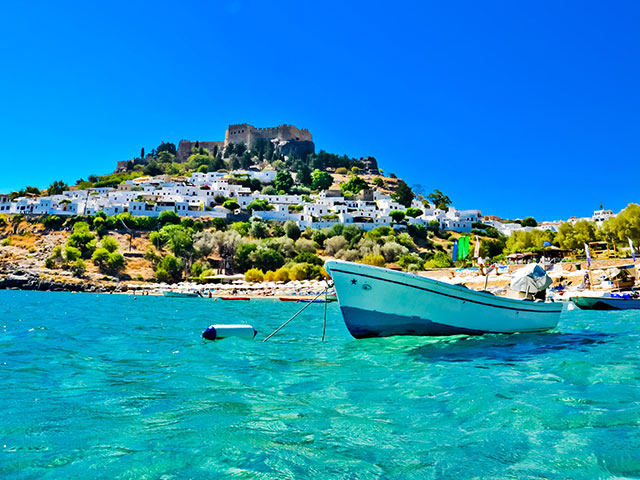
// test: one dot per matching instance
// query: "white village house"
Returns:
(196, 196)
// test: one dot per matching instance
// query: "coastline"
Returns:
(30, 280)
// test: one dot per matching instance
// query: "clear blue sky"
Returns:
(515, 108)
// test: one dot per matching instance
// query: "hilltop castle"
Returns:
(287, 138)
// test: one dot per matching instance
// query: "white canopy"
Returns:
(530, 279)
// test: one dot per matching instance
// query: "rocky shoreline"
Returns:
(25, 280)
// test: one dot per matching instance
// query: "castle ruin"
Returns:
(288, 139)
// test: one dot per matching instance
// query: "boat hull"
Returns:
(603, 303)
(377, 302)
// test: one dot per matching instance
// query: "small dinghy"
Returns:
(621, 301)
(234, 298)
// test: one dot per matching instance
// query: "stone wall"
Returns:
(249, 135)
(185, 147)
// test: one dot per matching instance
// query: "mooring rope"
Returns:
(324, 320)
(298, 313)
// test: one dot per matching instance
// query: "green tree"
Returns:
(378, 182)
(291, 229)
(198, 160)
(439, 260)
(403, 194)
(231, 204)
(283, 181)
(522, 241)
(439, 199)
(308, 257)
(240, 149)
(71, 254)
(198, 267)
(116, 263)
(167, 147)
(100, 258)
(529, 222)
(254, 275)
(225, 243)
(109, 243)
(242, 257)
(168, 216)
(625, 225)
(82, 239)
(57, 187)
(258, 228)
(169, 269)
(259, 205)
(157, 240)
(573, 236)
(321, 180)
(413, 212)
(178, 239)
(304, 175)
(396, 215)
(354, 186)
(266, 259)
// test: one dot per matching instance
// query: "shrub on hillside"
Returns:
(254, 275)
(168, 216)
(78, 268)
(439, 260)
(308, 257)
(82, 239)
(169, 270)
(291, 229)
(375, 260)
(392, 251)
(334, 244)
(305, 245)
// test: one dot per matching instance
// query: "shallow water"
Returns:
(106, 386)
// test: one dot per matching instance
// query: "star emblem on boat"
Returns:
(354, 281)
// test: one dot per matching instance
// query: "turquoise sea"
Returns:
(108, 386)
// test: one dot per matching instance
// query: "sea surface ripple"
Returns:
(108, 386)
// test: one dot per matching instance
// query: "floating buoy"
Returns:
(218, 332)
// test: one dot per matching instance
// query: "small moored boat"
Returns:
(378, 302)
(181, 293)
(611, 302)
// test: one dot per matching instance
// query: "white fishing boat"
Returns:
(378, 302)
(181, 293)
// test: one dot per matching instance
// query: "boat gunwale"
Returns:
(543, 307)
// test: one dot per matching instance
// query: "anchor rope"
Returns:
(297, 313)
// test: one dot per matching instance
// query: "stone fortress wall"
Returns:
(249, 135)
